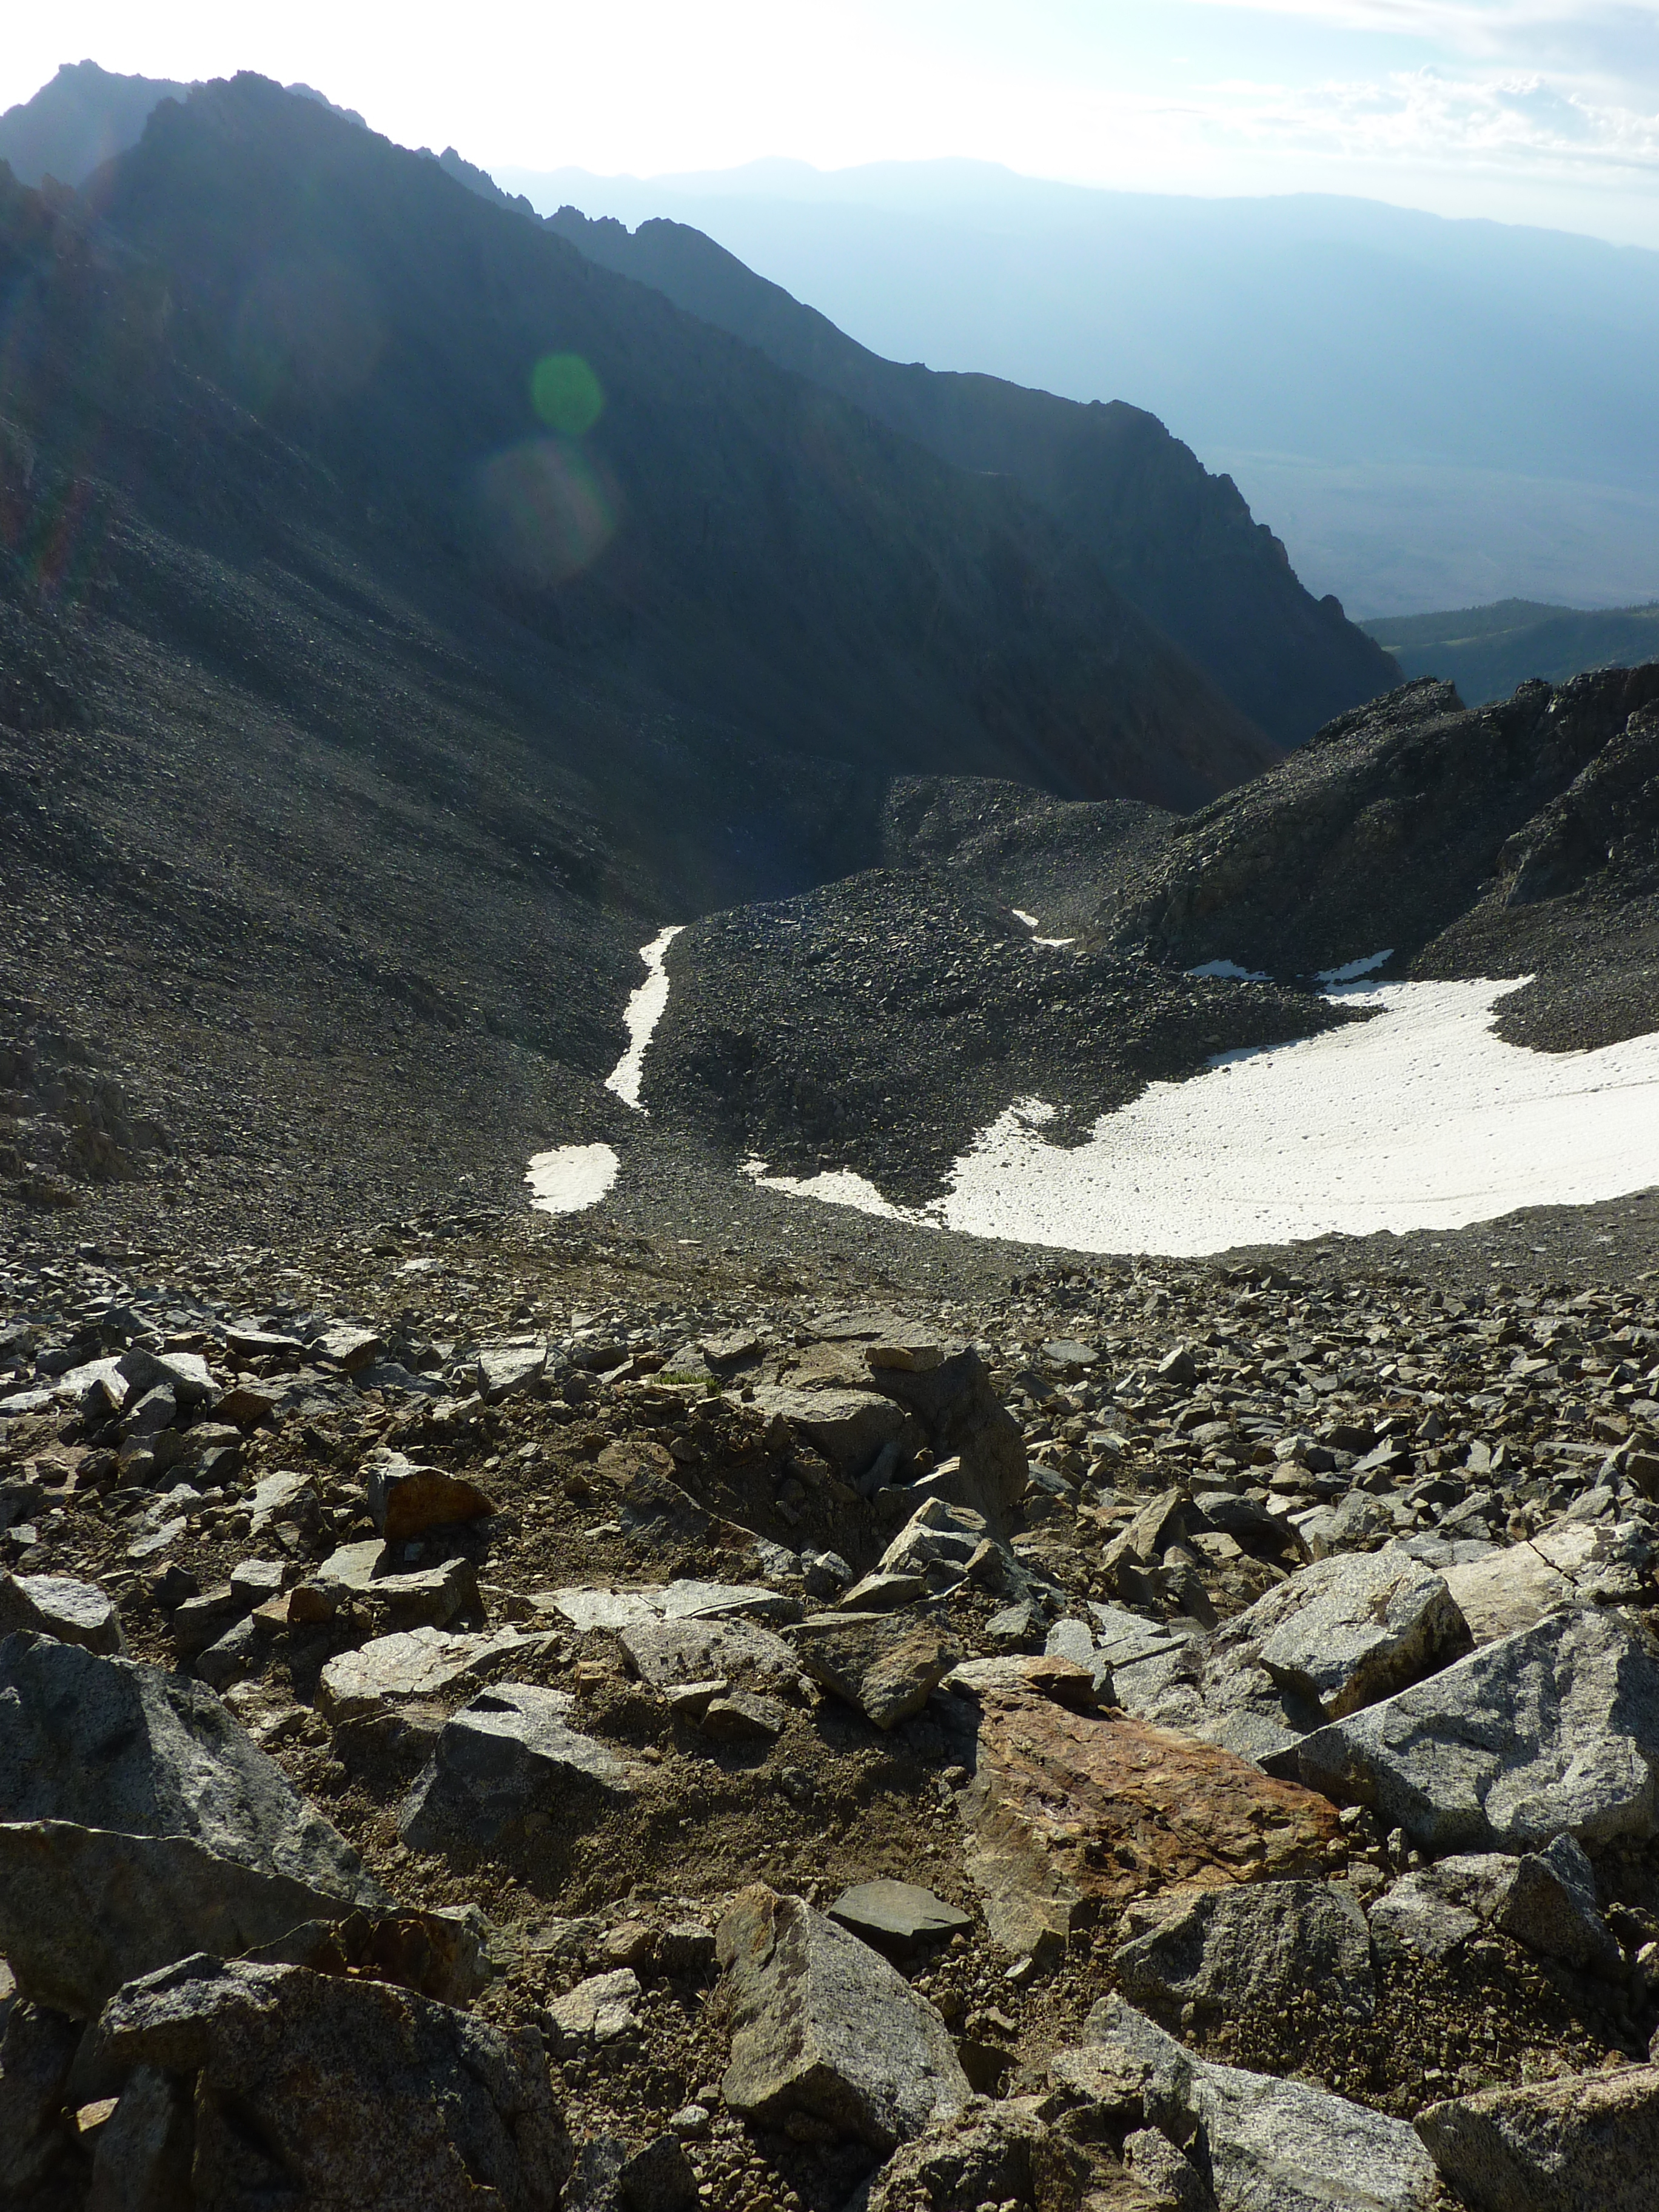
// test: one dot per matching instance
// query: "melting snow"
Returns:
(571, 1179)
(644, 1010)
(1229, 971)
(1422, 1118)
(1020, 915)
(836, 1186)
(1354, 969)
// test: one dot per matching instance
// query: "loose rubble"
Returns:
(590, 1730)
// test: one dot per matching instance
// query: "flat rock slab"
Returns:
(57, 1605)
(588, 1610)
(415, 1662)
(273, 1494)
(1555, 1728)
(824, 2028)
(509, 1754)
(1589, 2143)
(406, 1500)
(1071, 1815)
(1247, 1949)
(108, 1743)
(886, 1664)
(1273, 2145)
(898, 1916)
(665, 1652)
(338, 2092)
(83, 1910)
(598, 2011)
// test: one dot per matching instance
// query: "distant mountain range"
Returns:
(1488, 651)
(1432, 413)
(1180, 544)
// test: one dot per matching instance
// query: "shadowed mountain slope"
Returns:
(356, 726)
(82, 119)
(1180, 544)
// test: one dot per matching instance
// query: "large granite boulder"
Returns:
(1588, 2143)
(509, 1754)
(336, 2092)
(108, 1743)
(1552, 1729)
(1236, 1953)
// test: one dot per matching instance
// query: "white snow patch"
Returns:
(1422, 1118)
(644, 1010)
(572, 1178)
(1059, 942)
(1354, 969)
(836, 1187)
(1020, 915)
(1229, 971)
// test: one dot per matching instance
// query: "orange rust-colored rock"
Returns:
(1071, 1815)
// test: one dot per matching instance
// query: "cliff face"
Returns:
(1178, 543)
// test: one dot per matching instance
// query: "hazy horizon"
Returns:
(1537, 112)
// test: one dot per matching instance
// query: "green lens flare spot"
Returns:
(565, 394)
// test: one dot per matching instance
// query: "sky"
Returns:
(1532, 111)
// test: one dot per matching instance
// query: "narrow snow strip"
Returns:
(644, 1010)
(1058, 943)
(1354, 969)
(1020, 915)
(836, 1187)
(1229, 971)
(571, 1179)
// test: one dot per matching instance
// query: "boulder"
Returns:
(1071, 1815)
(510, 1370)
(415, 1662)
(1588, 2143)
(1244, 1950)
(687, 1600)
(1337, 1637)
(849, 1427)
(1506, 1591)
(986, 2153)
(142, 2160)
(506, 1755)
(344, 2092)
(955, 1402)
(38, 2048)
(108, 1743)
(824, 2028)
(1272, 2145)
(405, 1500)
(57, 1605)
(886, 1664)
(84, 1910)
(1554, 1729)
(1545, 1899)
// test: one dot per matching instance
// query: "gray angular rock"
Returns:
(887, 1664)
(83, 1910)
(600, 2010)
(1554, 1730)
(108, 1743)
(1588, 2143)
(1273, 2145)
(343, 2091)
(822, 2026)
(36, 2051)
(986, 2153)
(1545, 1899)
(664, 1653)
(507, 1754)
(1240, 1950)
(57, 1605)
(415, 1662)
(849, 1427)
(1348, 1632)
(142, 2159)
(1152, 2159)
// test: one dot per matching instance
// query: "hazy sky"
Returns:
(1543, 110)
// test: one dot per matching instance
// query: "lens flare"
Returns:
(565, 394)
(546, 510)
